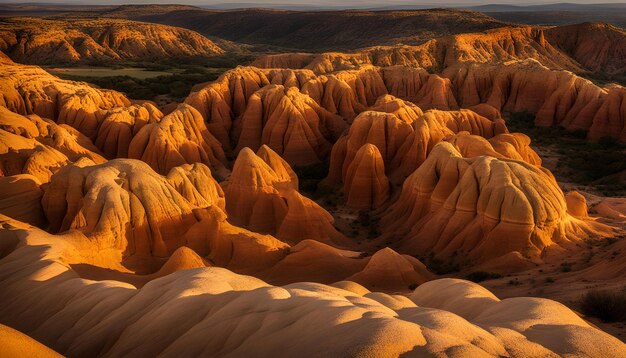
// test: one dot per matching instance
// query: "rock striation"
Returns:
(179, 138)
(39, 147)
(598, 47)
(478, 209)
(366, 186)
(403, 145)
(265, 200)
(290, 123)
(131, 211)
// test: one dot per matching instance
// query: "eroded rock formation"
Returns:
(40, 147)
(265, 201)
(366, 186)
(477, 209)
(596, 46)
(107, 118)
(131, 211)
(179, 138)
(290, 123)
(404, 146)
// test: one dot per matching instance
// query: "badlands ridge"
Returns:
(138, 231)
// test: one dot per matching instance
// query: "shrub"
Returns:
(514, 282)
(373, 233)
(606, 305)
(480, 276)
(364, 218)
(607, 142)
(441, 267)
(314, 171)
(579, 134)
(522, 120)
(566, 267)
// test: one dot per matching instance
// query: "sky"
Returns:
(322, 3)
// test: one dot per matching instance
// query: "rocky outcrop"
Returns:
(179, 138)
(131, 211)
(384, 130)
(39, 147)
(556, 97)
(195, 183)
(235, 111)
(428, 91)
(505, 145)
(265, 201)
(94, 41)
(404, 146)
(387, 269)
(366, 186)
(576, 204)
(280, 167)
(509, 69)
(107, 118)
(120, 125)
(289, 122)
(477, 209)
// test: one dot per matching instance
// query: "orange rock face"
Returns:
(306, 105)
(556, 97)
(311, 315)
(195, 183)
(405, 145)
(482, 208)
(41, 42)
(265, 201)
(576, 204)
(384, 130)
(154, 240)
(280, 167)
(39, 147)
(179, 138)
(506, 145)
(510, 69)
(133, 212)
(20, 199)
(290, 123)
(387, 269)
(120, 125)
(107, 118)
(366, 186)
(15, 343)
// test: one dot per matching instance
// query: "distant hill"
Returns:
(46, 41)
(557, 14)
(549, 7)
(324, 30)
